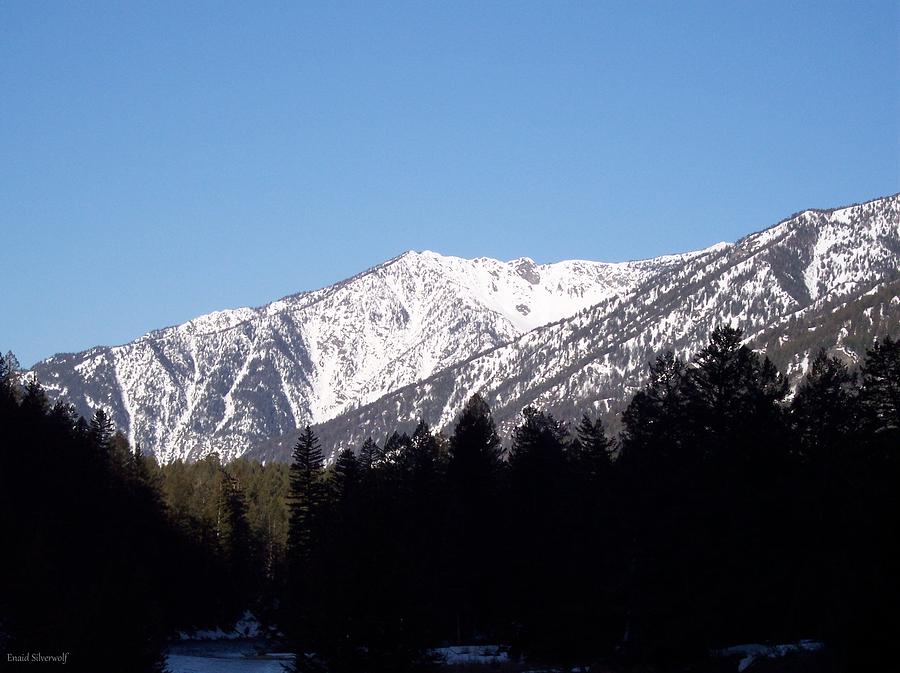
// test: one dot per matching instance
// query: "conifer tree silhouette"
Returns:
(474, 546)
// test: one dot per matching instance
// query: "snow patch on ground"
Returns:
(242, 649)
(247, 626)
(267, 663)
(751, 652)
(471, 654)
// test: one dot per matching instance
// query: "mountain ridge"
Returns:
(303, 326)
(232, 380)
(506, 402)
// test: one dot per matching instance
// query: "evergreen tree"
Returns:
(730, 389)
(34, 401)
(537, 459)
(873, 512)
(706, 458)
(236, 540)
(100, 436)
(120, 454)
(369, 454)
(138, 466)
(422, 460)
(880, 393)
(347, 476)
(591, 450)
(394, 446)
(307, 492)
(742, 481)
(654, 415)
(9, 368)
(306, 503)
(474, 550)
(824, 418)
(652, 466)
(540, 593)
(421, 522)
(823, 411)
(593, 560)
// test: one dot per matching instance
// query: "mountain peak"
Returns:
(525, 267)
(439, 327)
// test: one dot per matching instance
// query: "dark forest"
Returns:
(727, 510)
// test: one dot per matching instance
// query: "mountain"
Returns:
(416, 336)
(232, 379)
(822, 278)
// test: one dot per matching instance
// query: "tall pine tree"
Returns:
(474, 546)
(306, 502)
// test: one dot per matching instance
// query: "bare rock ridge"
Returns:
(417, 335)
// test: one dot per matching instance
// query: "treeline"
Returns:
(725, 512)
(105, 555)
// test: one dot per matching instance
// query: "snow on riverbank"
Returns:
(269, 663)
(471, 654)
(247, 626)
(241, 649)
(750, 653)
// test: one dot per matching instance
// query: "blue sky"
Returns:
(160, 160)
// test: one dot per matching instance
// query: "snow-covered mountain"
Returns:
(819, 279)
(231, 379)
(416, 336)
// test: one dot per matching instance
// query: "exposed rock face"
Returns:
(417, 335)
(819, 279)
(231, 379)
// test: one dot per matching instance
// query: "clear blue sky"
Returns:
(159, 160)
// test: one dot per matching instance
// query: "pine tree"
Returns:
(654, 457)
(394, 446)
(823, 419)
(880, 393)
(728, 386)
(306, 504)
(539, 526)
(706, 457)
(9, 366)
(307, 493)
(591, 561)
(474, 482)
(823, 411)
(874, 515)
(100, 436)
(422, 521)
(474, 445)
(120, 454)
(654, 415)
(34, 403)
(235, 538)
(537, 458)
(347, 475)
(368, 454)
(63, 415)
(591, 449)
(423, 456)
(139, 471)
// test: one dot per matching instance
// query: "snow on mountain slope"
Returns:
(820, 278)
(416, 336)
(230, 379)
